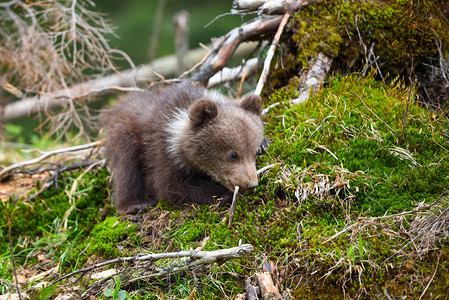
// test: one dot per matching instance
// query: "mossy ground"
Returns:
(342, 156)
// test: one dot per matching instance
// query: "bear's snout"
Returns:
(252, 185)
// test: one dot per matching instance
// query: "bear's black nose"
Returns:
(252, 185)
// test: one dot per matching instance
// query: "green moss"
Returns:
(104, 241)
(314, 32)
(354, 127)
(402, 35)
(40, 224)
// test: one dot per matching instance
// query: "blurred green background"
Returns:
(134, 22)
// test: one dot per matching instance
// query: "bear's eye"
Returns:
(233, 156)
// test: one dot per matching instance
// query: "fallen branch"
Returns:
(196, 258)
(8, 170)
(56, 173)
(123, 81)
(311, 80)
(224, 48)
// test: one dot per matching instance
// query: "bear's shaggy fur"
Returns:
(182, 144)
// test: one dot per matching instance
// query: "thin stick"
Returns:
(362, 219)
(431, 279)
(260, 171)
(266, 65)
(206, 56)
(242, 80)
(339, 233)
(234, 204)
(6, 171)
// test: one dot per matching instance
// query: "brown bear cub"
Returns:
(181, 144)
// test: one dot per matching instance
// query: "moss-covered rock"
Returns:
(400, 37)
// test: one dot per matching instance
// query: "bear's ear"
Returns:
(252, 103)
(202, 112)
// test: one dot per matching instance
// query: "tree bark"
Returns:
(267, 288)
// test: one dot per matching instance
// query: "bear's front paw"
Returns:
(139, 208)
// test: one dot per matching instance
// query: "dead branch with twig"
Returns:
(8, 170)
(144, 266)
(224, 48)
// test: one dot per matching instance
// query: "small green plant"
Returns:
(116, 293)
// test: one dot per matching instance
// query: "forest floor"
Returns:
(356, 206)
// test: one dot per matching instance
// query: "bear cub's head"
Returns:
(222, 138)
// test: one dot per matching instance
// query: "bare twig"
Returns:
(423, 231)
(233, 206)
(123, 81)
(36, 56)
(339, 233)
(415, 210)
(54, 178)
(362, 220)
(266, 65)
